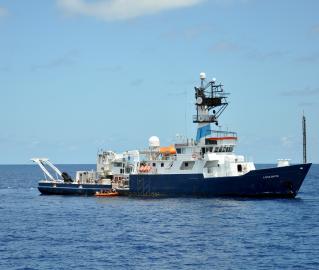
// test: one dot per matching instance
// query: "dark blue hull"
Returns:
(273, 182)
(71, 188)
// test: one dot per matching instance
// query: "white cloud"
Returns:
(3, 12)
(121, 9)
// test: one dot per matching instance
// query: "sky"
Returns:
(77, 76)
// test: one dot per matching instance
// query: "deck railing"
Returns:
(222, 133)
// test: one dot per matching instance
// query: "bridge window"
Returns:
(208, 142)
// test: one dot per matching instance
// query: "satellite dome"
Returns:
(154, 141)
(202, 75)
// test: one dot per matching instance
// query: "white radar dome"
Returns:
(202, 75)
(214, 80)
(154, 141)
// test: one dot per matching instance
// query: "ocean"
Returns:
(70, 232)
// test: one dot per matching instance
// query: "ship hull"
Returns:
(48, 188)
(274, 182)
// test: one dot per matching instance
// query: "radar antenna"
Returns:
(209, 97)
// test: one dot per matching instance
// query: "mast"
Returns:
(210, 96)
(304, 139)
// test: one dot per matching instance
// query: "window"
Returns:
(216, 149)
(187, 165)
(162, 164)
(154, 164)
(178, 151)
(239, 168)
(209, 142)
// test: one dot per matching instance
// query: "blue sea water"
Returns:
(64, 232)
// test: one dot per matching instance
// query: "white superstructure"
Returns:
(212, 155)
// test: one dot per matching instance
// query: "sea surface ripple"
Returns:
(65, 232)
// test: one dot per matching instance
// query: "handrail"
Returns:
(223, 133)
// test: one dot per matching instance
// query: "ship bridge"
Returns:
(218, 142)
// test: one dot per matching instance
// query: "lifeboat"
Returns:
(108, 193)
(169, 150)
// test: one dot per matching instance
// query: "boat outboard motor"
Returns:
(67, 178)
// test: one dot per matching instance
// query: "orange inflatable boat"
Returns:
(108, 193)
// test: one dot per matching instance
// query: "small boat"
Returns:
(107, 193)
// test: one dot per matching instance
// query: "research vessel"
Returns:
(207, 165)
(204, 166)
